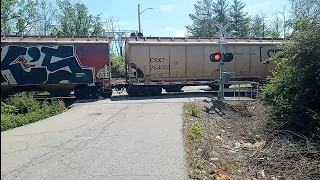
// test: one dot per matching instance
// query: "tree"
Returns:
(207, 14)
(97, 26)
(239, 21)
(7, 15)
(46, 17)
(112, 27)
(256, 27)
(75, 20)
(275, 30)
(302, 9)
(293, 93)
(82, 20)
(220, 9)
(65, 20)
(17, 16)
(118, 66)
(203, 20)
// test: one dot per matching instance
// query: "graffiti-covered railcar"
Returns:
(56, 65)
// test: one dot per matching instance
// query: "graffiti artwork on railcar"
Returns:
(42, 65)
(272, 52)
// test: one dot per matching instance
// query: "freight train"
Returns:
(60, 65)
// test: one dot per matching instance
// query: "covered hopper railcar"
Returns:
(57, 65)
(178, 62)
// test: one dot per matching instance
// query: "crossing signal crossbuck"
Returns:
(225, 56)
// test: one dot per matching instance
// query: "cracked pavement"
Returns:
(107, 139)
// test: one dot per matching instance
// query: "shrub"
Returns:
(195, 132)
(7, 121)
(28, 111)
(293, 92)
(118, 67)
(8, 109)
(193, 109)
(24, 103)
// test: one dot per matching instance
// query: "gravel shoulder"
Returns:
(233, 140)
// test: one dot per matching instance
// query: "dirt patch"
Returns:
(232, 140)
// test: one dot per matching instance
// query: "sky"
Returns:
(168, 18)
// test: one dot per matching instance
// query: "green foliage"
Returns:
(8, 109)
(193, 109)
(43, 17)
(118, 67)
(239, 19)
(203, 20)
(256, 26)
(46, 17)
(17, 16)
(293, 92)
(24, 103)
(221, 10)
(302, 9)
(195, 132)
(75, 20)
(22, 109)
(207, 14)
(213, 177)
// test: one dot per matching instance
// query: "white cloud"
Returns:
(165, 7)
(259, 6)
(180, 33)
(177, 32)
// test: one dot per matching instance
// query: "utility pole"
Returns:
(284, 22)
(139, 13)
(139, 17)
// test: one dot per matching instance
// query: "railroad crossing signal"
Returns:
(217, 57)
(222, 32)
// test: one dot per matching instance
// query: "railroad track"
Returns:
(48, 97)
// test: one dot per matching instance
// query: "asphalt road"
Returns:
(118, 138)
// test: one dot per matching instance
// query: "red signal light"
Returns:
(215, 57)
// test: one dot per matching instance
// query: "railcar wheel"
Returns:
(156, 91)
(107, 93)
(214, 87)
(133, 91)
(94, 92)
(82, 92)
(174, 88)
(145, 90)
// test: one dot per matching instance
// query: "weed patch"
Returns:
(195, 132)
(193, 109)
(22, 109)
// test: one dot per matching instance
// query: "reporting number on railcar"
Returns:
(159, 67)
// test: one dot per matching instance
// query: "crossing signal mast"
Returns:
(221, 56)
